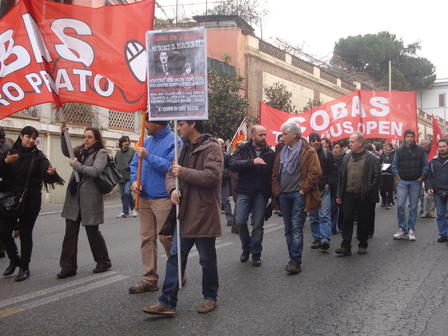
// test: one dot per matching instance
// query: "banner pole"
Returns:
(179, 259)
(68, 142)
(140, 161)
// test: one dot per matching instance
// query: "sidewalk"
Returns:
(54, 209)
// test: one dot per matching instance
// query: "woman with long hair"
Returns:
(24, 169)
(84, 203)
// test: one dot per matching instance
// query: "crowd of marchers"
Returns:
(334, 186)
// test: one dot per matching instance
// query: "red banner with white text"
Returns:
(58, 53)
(377, 114)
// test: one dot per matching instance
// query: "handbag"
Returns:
(12, 204)
(109, 178)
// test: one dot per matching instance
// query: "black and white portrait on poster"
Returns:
(177, 74)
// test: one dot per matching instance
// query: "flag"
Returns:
(240, 135)
(437, 134)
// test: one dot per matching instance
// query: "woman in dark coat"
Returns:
(24, 158)
(84, 203)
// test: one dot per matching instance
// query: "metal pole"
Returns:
(68, 142)
(390, 75)
(179, 259)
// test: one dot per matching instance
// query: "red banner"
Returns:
(437, 134)
(52, 52)
(377, 114)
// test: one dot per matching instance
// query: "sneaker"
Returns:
(293, 268)
(207, 306)
(256, 260)
(362, 251)
(411, 235)
(144, 286)
(442, 239)
(325, 246)
(343, 252)
(122, 215)
(401, 234)
(134, 213)
(159, 309)
(244, 256)
(388, 207)
(316, 244)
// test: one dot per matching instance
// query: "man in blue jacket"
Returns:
(437, 184)
(155, 204)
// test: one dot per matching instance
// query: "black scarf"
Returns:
(188, 147)
(81, 158)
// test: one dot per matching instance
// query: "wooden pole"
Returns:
(140, 143)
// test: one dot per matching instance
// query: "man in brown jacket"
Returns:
(200, 172)
(295, 176)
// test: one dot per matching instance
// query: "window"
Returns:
(442, 100)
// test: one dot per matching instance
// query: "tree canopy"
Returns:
(252, 11)
(278, 97)
(371, 53)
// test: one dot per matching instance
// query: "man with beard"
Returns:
(253, 161)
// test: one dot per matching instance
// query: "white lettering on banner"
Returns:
(63, 81)
(298, 120)
(72, 47)
(357, 108)
(9, 93)
(370, 126)
(40, 50)
(35, 81)
(49, 82)
(99, 90)
(339, 111)
(379, 102)
(397, 129)
(83, 74)
(8, 49)
(325, 120)
(4, 102)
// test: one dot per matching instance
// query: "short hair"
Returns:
(122, 140)
(279, 136)
(253, 128)
(360, 136)
(443, 140)
(292, 127)
(340, 143)
(328, 141)
(199, 125)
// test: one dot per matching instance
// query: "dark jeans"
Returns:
(371, 218)
(207, 259)
(69, 254)
(251, 204)
(351, 204)
(26, 226)
(292, 206)
(337, 215)
(387, 189)
(225, 202)
(127, 199)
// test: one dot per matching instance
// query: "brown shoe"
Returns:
(159, 309)
(316, 244)
(207, 306)
(144, 286)
(362, 250)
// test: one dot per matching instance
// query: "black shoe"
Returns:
(2, 253)
(11, 268)
(316, 244)
(325, 246)
(63, 275)
(442, 239)
(101, 268)
(256, 260)
(24, 273)
(244, 256)
(343, 252)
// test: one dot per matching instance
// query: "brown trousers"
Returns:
(153, 214)
(68, 261)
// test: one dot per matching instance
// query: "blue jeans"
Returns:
(292, 206)
(442, 219)
(405, 190)
(207, 260)
(127, 199)
(321, 219)
(255, 204)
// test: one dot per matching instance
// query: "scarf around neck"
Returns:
(290, 158)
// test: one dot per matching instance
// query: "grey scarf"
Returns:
(290, 159)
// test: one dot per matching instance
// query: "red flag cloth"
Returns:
(53, 52)
(377, 114)
(240, 135)
(437, 134)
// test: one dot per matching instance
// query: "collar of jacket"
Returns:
(204, 142)
(162, 133)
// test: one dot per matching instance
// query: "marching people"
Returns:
(337, 216)
(4, 147)
(24, 169)
(426, 200)
(409, 165)
(253, 161)
(157, 155)
(387, 177)
(122, 160)
(436, 185)
(226, 184)
(321, 219)
(84, 203)
(374, 196)
(199, 171)
(357, 189)
(295, 178)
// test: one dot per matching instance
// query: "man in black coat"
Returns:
(253, 161)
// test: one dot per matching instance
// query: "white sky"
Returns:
(317, 25)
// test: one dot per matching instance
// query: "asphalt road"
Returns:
(398, 288)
